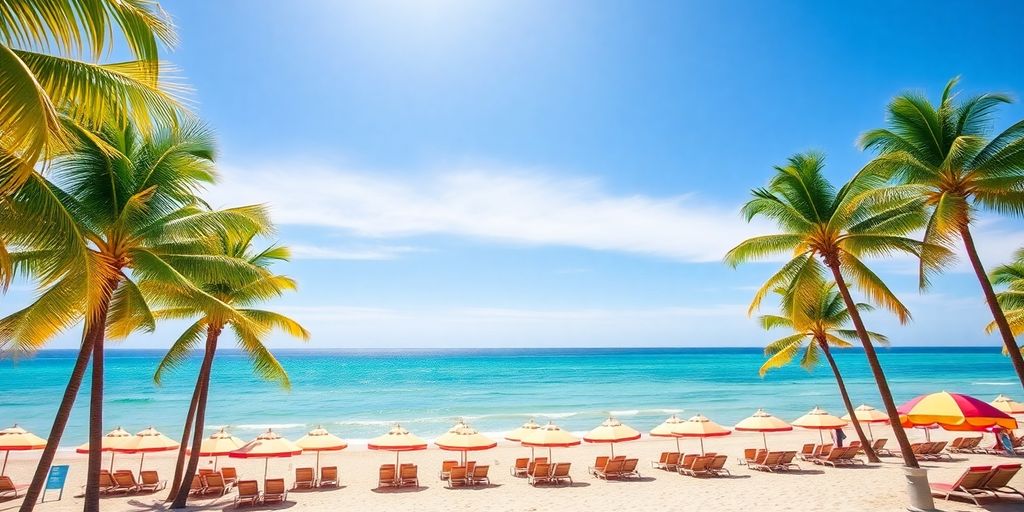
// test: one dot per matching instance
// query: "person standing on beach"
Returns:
(838, 436)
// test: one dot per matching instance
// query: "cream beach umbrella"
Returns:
(463, 438)
(612, 431)
(819, 419)
(868, 415)
(219, 443)
(700, 427)
(665, 429)
(268, 445)
(113, 439)
(146, 441)
(397, 440)
(16, 439)
(1008, 405)
(518, 434)
(320, 440)
(550, 436)
(763, 422)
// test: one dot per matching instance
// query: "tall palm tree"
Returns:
(944, 153)
(837, 228)
(134, 210)
(249, 328)
(50, 96)
(1011, 298)
(815, 331)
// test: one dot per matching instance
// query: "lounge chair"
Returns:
(748, 455)
(230, 476)
(541, 472)
(124, 481)
(808, 451)
(248, 493)
(8, 489)
(274, 491)
(1000, 477)
(106, 483)
(408, 475)
(446, 468)
(457, 476)
(198, 488)
(968, 486)
(880, 449)
(699, 467)
(328, 476)
(151, 481)
(205, 471)
(937, 453)
(855, 444)
(673, 461)
(849, 457)
(520, 467)
(386, 476)
(662, 462)
(479, 475)
(629, 469)
(921, 451)
(305, 478)
(686, 461)
(601, 462)
(610, 471)
(786, 463)
(214, 484)
(561, 473)
(770, 462)
(833, 458)
(954, 445)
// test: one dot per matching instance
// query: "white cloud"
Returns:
(313, 252)
(516, 207)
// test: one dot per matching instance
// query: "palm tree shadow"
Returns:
(399, 490)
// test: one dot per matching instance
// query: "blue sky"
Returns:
(461, 173)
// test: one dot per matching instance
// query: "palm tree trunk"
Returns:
(864, 442)
(179, 464)
(35, 489)
(92, 482)
(876, 368)
(993, 304)
(212, 333)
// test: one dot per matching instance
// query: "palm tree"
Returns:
(249, 328)
(838, 228)
(943, 153)
(1011, 299)
(821, 327)
(135, 210)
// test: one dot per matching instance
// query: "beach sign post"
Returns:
(55, 481)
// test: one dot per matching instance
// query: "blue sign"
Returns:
(55, 480)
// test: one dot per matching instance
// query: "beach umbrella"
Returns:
(397, 440)
(700, 427)
(1008, 405)
(219, 443)
(665, 429)
(819, 419)
(868, 415)
(113, 439)
(463, 438)
(763, 422)
(953, 411)
(524, 429)
(320, 440)
(146, 441)
(550, 436)
(612, 431)
(267, 445)
(16, 439)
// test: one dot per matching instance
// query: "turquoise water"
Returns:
(356, 394)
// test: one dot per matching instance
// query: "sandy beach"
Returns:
(876, 487)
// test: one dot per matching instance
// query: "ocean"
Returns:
(358, 394)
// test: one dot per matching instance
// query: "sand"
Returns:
(876, 487)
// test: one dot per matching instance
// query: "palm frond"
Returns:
(180, 350)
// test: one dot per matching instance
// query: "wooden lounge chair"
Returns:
(717, 466)
(855, 444)
(686, 461)
(748, 455)
(921, 450)
(305, 478)
(479, 475)
(541, 473)
(999, 479)
(610, 471)
(808, 451)
(936, 453)
(328, 476)
(880, 449)
(699, 467)
(446, 468)
(230, 476)
(408, 475)
(520, 467)
(629, 469)
(214, 484)
(968, 486)
(787, 462)
(151, 481)
(954, 445)
(198, 488)
(248, 493)
(8, 489)
(274, 491)
(386, 476)
(662, 462)
(124, 481)
(106, 483)
(560, 473)
(457, 476)
(205, 471)
(849, 457)
(673, 461)
(600, 463)
(769, 462)
(833, 458)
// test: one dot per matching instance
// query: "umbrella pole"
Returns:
(678, 449)
(702, 447)
(112, 462)
(398, 467)
(871, 435)
(821, 437)
(613, 449)
(266, 464)
(141, 460)
(533, 453)
(765, 439)
(550, 458)
(215, 458)
(318, 462)
(6, 454)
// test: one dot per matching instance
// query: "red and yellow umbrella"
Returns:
(1008, 405)
(700, 427)
(763, 422)
(18, 439)
(612, 431)
(819, 419)
(953, 411)
(266, 446)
